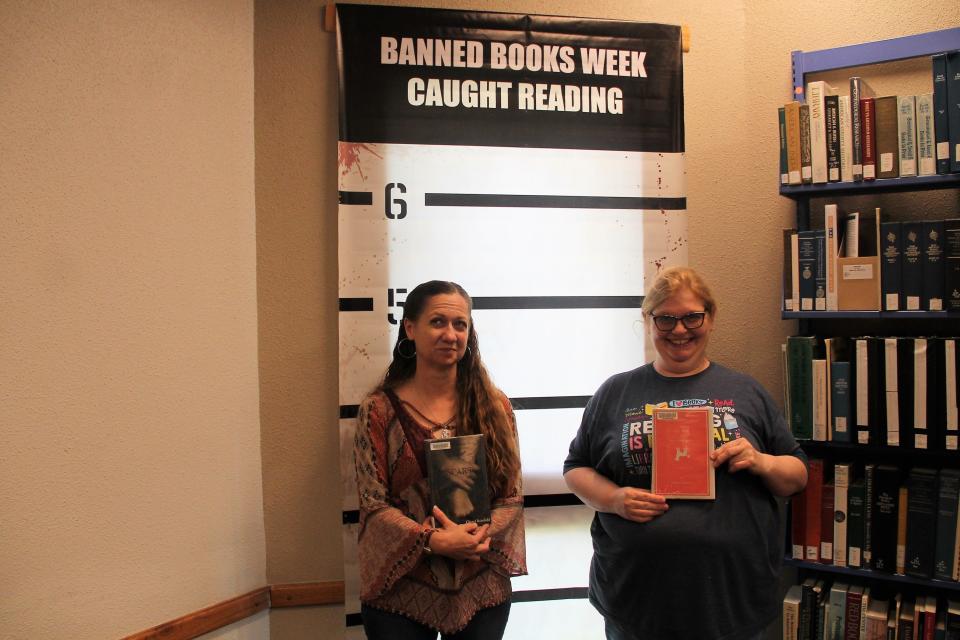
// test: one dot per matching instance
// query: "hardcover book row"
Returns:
(861, 136)
(858, 262)
(886, 391)
(876, 518)
(840, 611)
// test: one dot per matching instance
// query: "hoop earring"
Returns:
(400, 351)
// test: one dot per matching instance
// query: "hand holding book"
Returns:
(467, 541)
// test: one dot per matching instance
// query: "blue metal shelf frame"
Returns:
(855, 55)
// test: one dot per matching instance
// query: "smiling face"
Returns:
(441, 331)
(680, 351)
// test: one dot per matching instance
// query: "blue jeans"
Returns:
(486, 624)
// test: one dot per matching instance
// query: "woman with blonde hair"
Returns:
(689, 568)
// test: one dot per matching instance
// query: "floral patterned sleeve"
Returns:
(391, 542)
(508, 553)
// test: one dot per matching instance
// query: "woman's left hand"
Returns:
(738, 454)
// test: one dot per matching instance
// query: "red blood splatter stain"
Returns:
(349, 157)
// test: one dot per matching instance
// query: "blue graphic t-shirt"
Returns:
(705, 568)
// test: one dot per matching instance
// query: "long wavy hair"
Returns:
(479, 406)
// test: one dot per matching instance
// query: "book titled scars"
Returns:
(682, 443)
(457, 475)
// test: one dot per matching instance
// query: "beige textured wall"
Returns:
(736, 74)
(130, 473)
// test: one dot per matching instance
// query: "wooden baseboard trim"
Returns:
(194, 625)
(306, 594)
(208, 619)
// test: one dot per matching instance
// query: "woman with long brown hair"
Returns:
(421, 573)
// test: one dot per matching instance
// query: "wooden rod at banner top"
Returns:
(330, 24)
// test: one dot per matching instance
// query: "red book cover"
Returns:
(851, 622)
(826, 523)
(868, 134)
(798, 526)
(812, 510)
(682, 443)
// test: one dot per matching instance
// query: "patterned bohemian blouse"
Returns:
(396, 574)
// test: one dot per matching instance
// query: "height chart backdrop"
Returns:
(538, 161)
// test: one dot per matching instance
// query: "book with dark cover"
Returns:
(808, 603)
(457, 475)
(936, 409)
(859, 89)
(855, 520)
(827, 496)
(907, 134)
(948, 495)
(951, 293)
(869, 491)
(883, 528)
(868, 135)
(798, 527)
(911, 266)
(782, 121)
(922, 502)
(812, 508)
(787, 282)
(890, 269)
(905, 625)
(842, 425)
(806, 166)
(831, 105)
(820, 274)
(807, 261)
(888, 143)
(905, 365)
(934, 272)
(940, 119)
(953, 108)
(953, 620)
(800, 370)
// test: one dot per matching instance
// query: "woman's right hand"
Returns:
(459, 541)
(638, 505)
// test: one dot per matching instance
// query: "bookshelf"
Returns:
(876, 323)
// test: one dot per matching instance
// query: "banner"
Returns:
(537, 161)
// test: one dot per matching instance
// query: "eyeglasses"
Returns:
(690, 321)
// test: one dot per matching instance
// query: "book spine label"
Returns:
(940, 120)
(868, 132)
(907, 134)
(890, 259)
